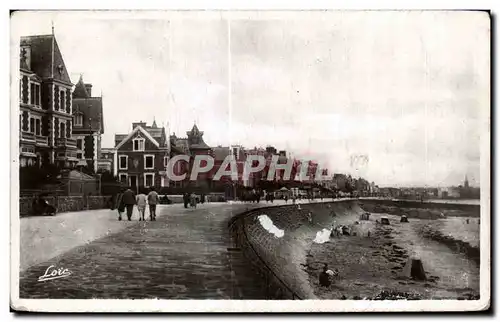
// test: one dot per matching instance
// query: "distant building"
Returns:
(449, 192)
(192, 145)
(105, 162)
(45, 119)
(88, 125)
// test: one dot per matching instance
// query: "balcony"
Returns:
(28, 136)
(42, 140)
(65, 143)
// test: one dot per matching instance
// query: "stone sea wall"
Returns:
(417, 209)
(277, 240)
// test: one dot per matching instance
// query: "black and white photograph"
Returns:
(177, 161)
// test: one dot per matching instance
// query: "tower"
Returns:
(466, 182)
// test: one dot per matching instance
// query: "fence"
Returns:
(66, 203)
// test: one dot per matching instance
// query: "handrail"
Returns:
(246, 214)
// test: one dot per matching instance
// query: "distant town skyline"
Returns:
(348, 86)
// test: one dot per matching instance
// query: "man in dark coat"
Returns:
(128, 200)
(186, 200)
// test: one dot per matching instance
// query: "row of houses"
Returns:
(59, 123)
(140, 157)
(62, 123)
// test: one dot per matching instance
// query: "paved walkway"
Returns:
(185, 254)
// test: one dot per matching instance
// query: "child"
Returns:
(141, 205)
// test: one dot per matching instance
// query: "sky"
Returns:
(399, 98)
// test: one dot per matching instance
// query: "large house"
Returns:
(88, 125)
(141, 157)
(46, 114)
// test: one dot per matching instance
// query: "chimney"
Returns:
(136, 124)
(88, 87)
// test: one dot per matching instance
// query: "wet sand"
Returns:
(369, 265)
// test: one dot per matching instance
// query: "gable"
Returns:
(138, 132)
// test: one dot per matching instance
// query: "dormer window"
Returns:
(138, 144)
(79, 119)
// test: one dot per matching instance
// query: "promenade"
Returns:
(185, 254)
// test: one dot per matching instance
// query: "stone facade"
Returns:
(45, 105)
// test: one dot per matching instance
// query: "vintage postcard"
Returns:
(236, 161)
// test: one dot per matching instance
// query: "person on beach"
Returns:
(153, 200)
(128, 199)
(324, 277)
(141, 200)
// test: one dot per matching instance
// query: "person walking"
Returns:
(193, 200)
(141, 200)
(186, 199)
(128, 199)
(153, 200)
(119, 204)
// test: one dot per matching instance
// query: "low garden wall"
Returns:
(66, 203)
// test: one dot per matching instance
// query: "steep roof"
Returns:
(42, 47)
(134, 131)
(91, 108)
(119, 138)
(80, 89)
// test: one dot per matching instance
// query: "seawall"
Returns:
(277, 240)
(417, 209)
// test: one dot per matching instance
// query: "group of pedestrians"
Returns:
(191, 200)
(126, 201)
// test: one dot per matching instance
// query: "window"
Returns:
(149, 179)
(78, 119)
(123, 162)
(62, 132)
(38, 130)
(32, 93)
(79, 156)
(149, 161)
(62, 101)
(235, 153)
(165, 161)
(35, 94)
(139, 144)
(123, 178)
(32, 125)
(79, 144)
